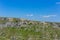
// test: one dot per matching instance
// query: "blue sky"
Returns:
(41, 10)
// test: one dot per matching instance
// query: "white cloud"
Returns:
(57, 2)
(48, 16)
(30, 15)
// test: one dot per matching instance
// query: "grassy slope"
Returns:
(34, 32)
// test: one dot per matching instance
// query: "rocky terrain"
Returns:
(21, 29)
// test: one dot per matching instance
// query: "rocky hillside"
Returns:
(21, 29)
(16, 22)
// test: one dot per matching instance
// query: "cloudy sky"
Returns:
(41, 10)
